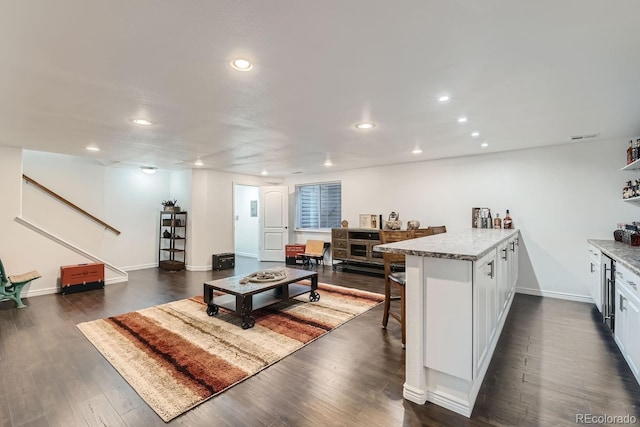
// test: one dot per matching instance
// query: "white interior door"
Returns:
(274, 222)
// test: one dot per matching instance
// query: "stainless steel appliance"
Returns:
(608, 291)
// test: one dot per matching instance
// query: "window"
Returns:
(318, 205)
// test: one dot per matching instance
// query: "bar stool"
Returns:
(397, 278)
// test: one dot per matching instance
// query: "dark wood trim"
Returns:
(68, 203)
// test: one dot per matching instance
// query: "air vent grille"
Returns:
(581, 137)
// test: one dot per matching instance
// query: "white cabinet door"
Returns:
(595, 276)
(632, 340)
(513, 263)
(627, 328)
(485, 307)
(620, 324)
(503, 277)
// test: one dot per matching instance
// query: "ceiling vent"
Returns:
(581, 137)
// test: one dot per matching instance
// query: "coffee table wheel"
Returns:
(212, 309)
(314, 296)
(248, 322)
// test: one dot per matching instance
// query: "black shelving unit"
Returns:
(172, 252)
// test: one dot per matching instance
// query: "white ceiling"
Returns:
(74, 73)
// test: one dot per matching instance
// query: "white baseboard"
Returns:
(555, 294)
(139, 267)
(56, 290)
(246, 254)
(199, 267)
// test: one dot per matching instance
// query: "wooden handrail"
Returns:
(68, 203)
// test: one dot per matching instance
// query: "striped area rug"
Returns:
(175, 356)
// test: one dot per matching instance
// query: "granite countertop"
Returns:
(468, 245)
(625, 254)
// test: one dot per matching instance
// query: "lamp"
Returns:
(149, 169)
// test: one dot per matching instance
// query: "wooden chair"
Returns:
(11, 286)
(439, 229)
(397, 278)
(422, 232)
(314, 249)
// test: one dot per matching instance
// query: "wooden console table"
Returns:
(355, 245)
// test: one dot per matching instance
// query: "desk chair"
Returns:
(397, 278)
(11, 286)
(314, 249)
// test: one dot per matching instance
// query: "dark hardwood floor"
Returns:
(554, 361)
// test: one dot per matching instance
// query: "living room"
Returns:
(466, 107)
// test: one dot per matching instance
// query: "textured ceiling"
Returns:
(74, 73)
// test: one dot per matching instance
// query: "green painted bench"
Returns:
(11, 286)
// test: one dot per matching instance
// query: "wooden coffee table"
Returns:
(244, 298)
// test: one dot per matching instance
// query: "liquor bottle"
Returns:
(635, 155)
(507, 222)
(497, 221)
(630, 152)
(490, 222)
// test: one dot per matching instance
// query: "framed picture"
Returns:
(370, 221)
(254, 208)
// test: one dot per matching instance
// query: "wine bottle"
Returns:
(497, 221)
(507, 222)
(630, 152)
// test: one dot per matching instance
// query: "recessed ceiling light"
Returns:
(484, 145)
(141, 122)
(92, 148)
(365, 125)
(462, 120)
(149, 169)
(264, 172)
(416, 151)
(241, 64)
(198, 163)
(328, 163)
(444, 98)
(475, 134)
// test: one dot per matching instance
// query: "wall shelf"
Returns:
(632, 166)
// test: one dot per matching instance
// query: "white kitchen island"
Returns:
(459, 290)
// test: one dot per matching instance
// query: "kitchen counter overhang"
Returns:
(470, 245)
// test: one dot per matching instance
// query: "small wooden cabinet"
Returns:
(355, 245)
(172, 253)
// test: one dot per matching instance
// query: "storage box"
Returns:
(81, 277)
(292, 251)
(224, 261)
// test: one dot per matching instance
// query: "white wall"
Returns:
(246, 227)
(558, 197)
(213, 214)
(22, 248)
(123, 197)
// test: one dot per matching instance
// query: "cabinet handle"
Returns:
(505, 255)
(491, 270)
(591, 266)
(517, 241)
(631, 283)
(513, 246)
(622, 298)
